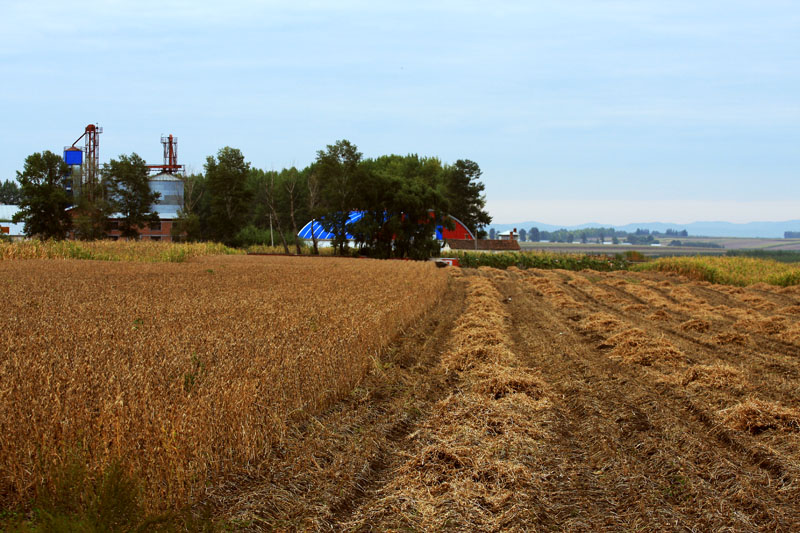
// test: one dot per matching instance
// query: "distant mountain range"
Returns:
(696, 229)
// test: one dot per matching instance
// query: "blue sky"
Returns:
(577, 111)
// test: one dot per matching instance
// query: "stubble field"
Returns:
(480, 399)
(586, 401)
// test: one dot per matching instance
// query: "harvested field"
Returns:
(516, 400)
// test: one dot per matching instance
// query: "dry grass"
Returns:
(659, 315)
(549, 289)
(766, 326)
(790, 310)
(791, 334)
(472, 457)
(498, 382)
(756, 416)
(653, 298)
(145, 251)
(480, 336)
(188, 371)
(714, 376)
(696, 324)
(737, 339)
(634, 346)
(601, 323)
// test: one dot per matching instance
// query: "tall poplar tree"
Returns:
(338, 170)
(229, 196)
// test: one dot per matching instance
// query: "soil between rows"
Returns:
(629, 455)
(622, 446)
(332, 461)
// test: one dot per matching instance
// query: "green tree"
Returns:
(402, 200)
(417, 209)
(10, 193)
(44, 201)
(229, 196)
(312, 187)
(130, 194)
(338, 171)
(465, 196)
(187, 227)
(91, 218)
(189, 224)
(533, 235)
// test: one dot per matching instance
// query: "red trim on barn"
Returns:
(460, 231)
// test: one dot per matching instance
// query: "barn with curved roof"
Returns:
(324, 238)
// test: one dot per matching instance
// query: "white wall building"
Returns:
(15, 231)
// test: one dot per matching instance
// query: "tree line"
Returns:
(596, 235)
(403, 199)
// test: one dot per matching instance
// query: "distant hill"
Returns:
(696, 229)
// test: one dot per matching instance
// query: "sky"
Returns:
(610, 111)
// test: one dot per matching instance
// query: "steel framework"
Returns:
(91, 163)
(170, 156)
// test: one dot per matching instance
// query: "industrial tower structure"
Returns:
(170, 165)
(88, 159)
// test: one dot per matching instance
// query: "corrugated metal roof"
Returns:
(171, 209)
(319, 231)
(483, 244)
(165, 176)
(162, 215)
(355, 216)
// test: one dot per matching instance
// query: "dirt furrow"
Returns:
(770, 362)
(638, 451)
(472, 463)
(332, 461)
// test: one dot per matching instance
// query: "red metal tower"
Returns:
(170, 156)
(91, 164)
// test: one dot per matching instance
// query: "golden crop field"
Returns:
(146, 251)
(327, 394)
(187, 372)
(739, 271)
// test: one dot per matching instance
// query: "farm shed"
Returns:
(157, 231)
(510, 235)
(15, 231)
(171, 189)
(324, 238)
(481, 245)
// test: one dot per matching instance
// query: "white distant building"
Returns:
(510, 235)
(15, 231)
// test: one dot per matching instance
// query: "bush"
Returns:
(254, 236)
(544, 260)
